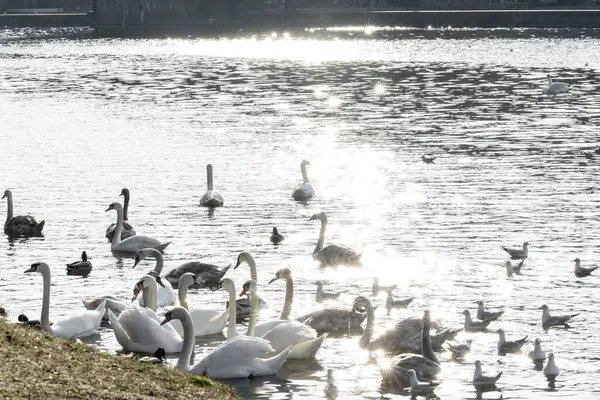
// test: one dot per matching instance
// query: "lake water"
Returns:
(80, 118)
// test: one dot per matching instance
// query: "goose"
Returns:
(551, 371)
(166, 295)
(276, 237)
(505, 346)
(20, 225)
(474, 326)
(537, 354)
(418, 388)
(554, 88)
(481, 381)
(378, 288)
(237, 358)
(581, 272)
(322, 296)
(206, 322)
(80, 325)
(159, 357)
(138, 329)
(207, 275)
(425, 365)
(332, 255)
(487, 315)
(304, 190)
(211, 198)
(331, 390)
(111, 303)
(390, 303)
(80, 268)
(132, 244)
(518, 254)
(428, 158)
(243, 305)
(127, 230)
(554, 320)
(460, 350)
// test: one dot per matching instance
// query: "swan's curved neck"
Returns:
(365, 339)
(426, 342)
(117, 237)
(289, 298)
(209, 177)
(149, 294)
(159, 261)
(321, 240)
(188, 342)
(304, 174)
(182, 294)
(252, 265)
(549, 80)
(231, 328)
(253, 314)
(125, 206)
(9, 211)
(45, 320)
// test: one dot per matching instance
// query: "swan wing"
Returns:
(136, 243)
(85, 323)
(264, 327)
(145, 332)
(289, 334)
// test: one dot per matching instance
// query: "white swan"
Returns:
(83, 324)
(127, 230)
(20, 225)
(234, 359)
(555, 87)
(139, 329)
(303, 190)
(211, 198)
(332, 255)
(132, 244)
(166, 295)
(206, 322)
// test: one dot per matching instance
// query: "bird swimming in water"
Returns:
(474, 326)
(276, 237)
(508, 346)
(459, 350)
(487, 315)
(518, 254)
(551, 371)
(428, 158)
(481, 381)
(555, 320)
(582, 272)
(537, 354)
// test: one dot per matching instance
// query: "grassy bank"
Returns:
(38, 365)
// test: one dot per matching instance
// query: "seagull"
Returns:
(460, 350)
(505, 346)
(537, 354)
(551, 370)
(518, 254)
(581, 272)
(418, 388)
(487, 315)
(276, 237)
(474, 326)
(557, 320)
(322, 296)
(390, 303)
(377, 288)
(428, 158)
(331, 390)
(482, 381)
(513, 269)
(159, 357)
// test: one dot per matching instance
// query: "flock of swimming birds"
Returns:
(140, 327)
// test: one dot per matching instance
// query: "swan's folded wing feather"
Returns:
(144, 241)
(261, 329)
(289, 334)
(83, 323)
(240, 350)
(204, 316)
(143, 326)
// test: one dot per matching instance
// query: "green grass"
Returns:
(38, 365)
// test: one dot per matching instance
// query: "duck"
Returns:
(80, 325)
(127, 230)
(237, 358)
(138, 329)
(211, 198)
(166, 295)
(505, 346)
(555, 320)
(551, 371)
(474, 326)
(390, 303)
(132, 244)
(428, 158)
(481, 381)
(80, 268)
(322, 296)
(484, 315)
(518, 254)
(418, 388)
(304, 190)
(332, 255)
(554, 88)
(243, 305)
(581, 272)
(207, 275)
(20, 225)
(158, 359)
(276, 237)
(460, 350)
(206, 321)
(537, 354)
(378, 288)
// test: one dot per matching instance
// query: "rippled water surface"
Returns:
(82, 118)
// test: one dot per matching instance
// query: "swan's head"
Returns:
(360, 304)
(283, 273)
(38, 267)
(304, 163)
(6, 194)
(227, 284)
(145, 282)
(249, 286)
(320, 216)
(83, 256)
(144, 254)
(125, 192)
(188, 279)
(544, 307)
(243, 257)
(114, 206)
(175, 313)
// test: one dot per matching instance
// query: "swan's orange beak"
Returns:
(243, 292)
(136, 290)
